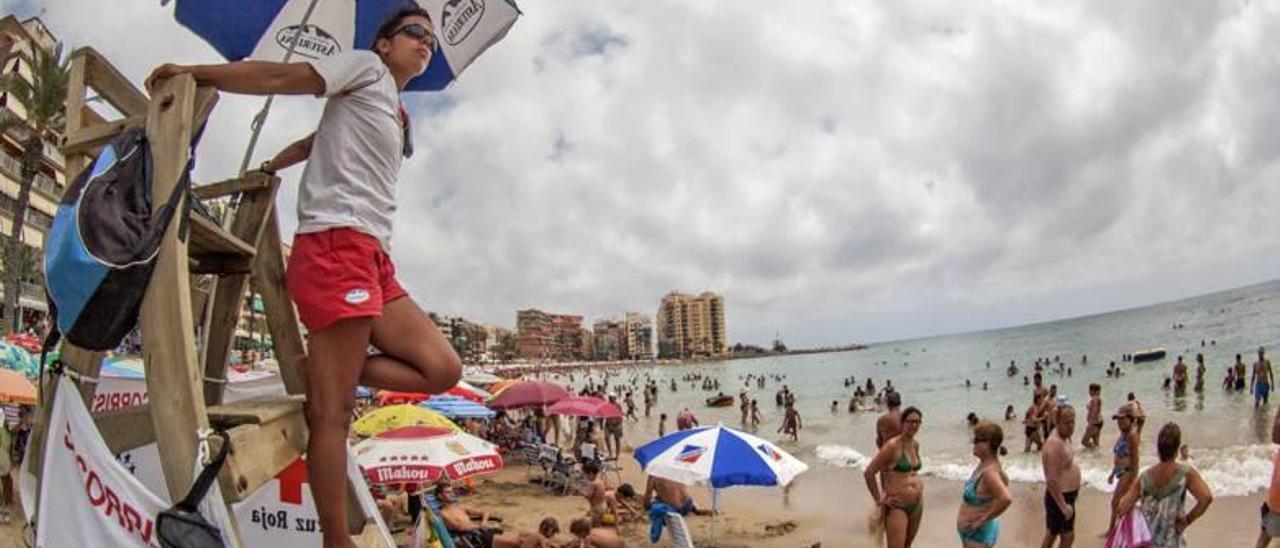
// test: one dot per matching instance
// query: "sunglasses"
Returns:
(416, 32)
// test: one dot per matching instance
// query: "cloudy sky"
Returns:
(839, 170)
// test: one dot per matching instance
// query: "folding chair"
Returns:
(681, 537)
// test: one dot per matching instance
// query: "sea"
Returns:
(1227, 436)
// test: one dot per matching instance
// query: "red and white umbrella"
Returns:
(585, 406)
(529, 394)
(422, 454)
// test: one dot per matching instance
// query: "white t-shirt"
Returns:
(350, 178)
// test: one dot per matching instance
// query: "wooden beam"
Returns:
(174, 386)
(125, 429)
(266, 437)
(249, 221)
(92, 138)
(248, 183)
(74, 108)
(112, 86)
(282, 319)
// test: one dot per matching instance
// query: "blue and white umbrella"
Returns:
(718, 456)
(265, 29)
(456, 407)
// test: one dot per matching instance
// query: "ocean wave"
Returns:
(1238, 470)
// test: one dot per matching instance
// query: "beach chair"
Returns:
(612, 466)
(679, 532)
(529, 453)
(548, 458)
(567, 477)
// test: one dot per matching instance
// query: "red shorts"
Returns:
(338, 274)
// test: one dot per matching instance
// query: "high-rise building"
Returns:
(691, 326)
(610, 338)
(555, 337)
(639, 337)
(19, 40)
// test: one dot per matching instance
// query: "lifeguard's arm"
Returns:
(297, 152)
(248, 77)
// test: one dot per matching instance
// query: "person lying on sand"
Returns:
(460, 521)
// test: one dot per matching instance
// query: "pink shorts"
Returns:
(338, 274)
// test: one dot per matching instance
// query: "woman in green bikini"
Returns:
(901, 504)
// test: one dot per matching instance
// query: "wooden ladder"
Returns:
(185, 389)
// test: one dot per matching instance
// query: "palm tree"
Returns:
(43, 98)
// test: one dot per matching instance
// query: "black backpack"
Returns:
(101, 250)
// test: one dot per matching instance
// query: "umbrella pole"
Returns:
(261, 117)
(715, 513)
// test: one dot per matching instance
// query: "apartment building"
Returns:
(554, 337)
(692, 326)
(19, 39)
(610, 340)
(639, 337)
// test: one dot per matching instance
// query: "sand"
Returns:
(830, 507)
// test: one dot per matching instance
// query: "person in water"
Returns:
(986, 492)
(340, 274)
(1093, 418)
(1261, 380)
(901, 503)
(1062, 482)
(890, 423)
(1124, 462)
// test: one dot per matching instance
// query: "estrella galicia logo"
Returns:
(770, 452)
(460, 18)
(313, 41)
(690, 454)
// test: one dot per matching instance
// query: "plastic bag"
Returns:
(1131, 532)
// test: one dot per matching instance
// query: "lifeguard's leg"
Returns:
(335, 357)
(415, 355)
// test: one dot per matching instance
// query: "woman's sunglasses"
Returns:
(417, 32)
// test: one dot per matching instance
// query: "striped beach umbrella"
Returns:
(267, 29)
(718, 456)
(456, 407)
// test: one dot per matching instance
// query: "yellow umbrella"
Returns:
(398, 416)
(503, 385)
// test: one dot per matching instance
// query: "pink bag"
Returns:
(1130, 532)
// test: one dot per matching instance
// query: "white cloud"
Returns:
(839, 170)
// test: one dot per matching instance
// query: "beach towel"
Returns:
(658, 519)
(1130, 532)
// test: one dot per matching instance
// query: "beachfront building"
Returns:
(18, 42)
(639, 337)
(500, 344)
(610, 337)
(691, 326)
(469, 339)
(543, 336)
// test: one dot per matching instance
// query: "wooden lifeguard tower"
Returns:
(199, 283)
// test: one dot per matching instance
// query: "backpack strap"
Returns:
(207, 476)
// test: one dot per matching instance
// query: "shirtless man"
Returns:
(889, 424)
(672, 494)
(1180, 377)
(1093, 420)
(460, 521)
(1239, 377)
(1200, 369)
(1260, 381)
(587, 536)
(1031, 425)
(1062, 482)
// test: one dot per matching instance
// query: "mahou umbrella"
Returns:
(529, 394)
(585, 406)
(419, 454)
